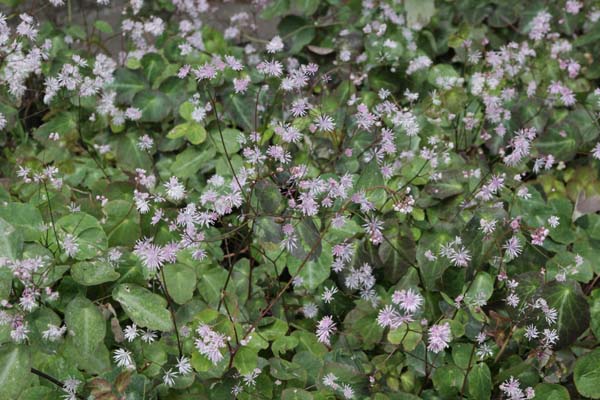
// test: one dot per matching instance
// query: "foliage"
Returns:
(381, 199)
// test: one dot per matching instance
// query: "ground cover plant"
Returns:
(338, 199)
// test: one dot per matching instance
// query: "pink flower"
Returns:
(325, 329)
(439, 337)
(241, 85)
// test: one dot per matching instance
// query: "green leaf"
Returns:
(463, 354)
(14, 370)
(307, 7)
(595, 312)
(188, 162)
(90, 273)
(573, 310)
(408, 338)
(129, 155)
(103, 26)
(587, 374)
(550, 391)
(153, 65)
(85, 322)
(296, 30)
(283, 344)
(370, 178)
(155, 105)
(194, 132)
(88, 233)
(312, 272)
(211, 283)
(296, 394)
(122, 223)
(482, 287)
(38, 393)
(245, 360)
(479, 382)
(25, 217)
(442, 190)
(230, 137)
(145, 308)
(241, 109)
(419, 12)
(448, 379)
(383, 78)
(180, 281)
(127, 84)
(65, 124)
(275, 8)
(11, 240)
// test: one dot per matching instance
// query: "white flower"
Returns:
(53, 333)
(310, 310)
(130, 332)
(325, 329)
(275, 45)
(149, 336)
(169, 377)
(183, 365)
(554, 221)
(123, 359)
(70, 245)
(327, 295)
(439, 337)
(175, 189)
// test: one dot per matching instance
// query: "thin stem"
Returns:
(51, 216)
(51, 379)
(163, 285)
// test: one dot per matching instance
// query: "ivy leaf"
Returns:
(145, 308)
(86, 323)
(180, 281)
(587, 375)
(14, 370)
